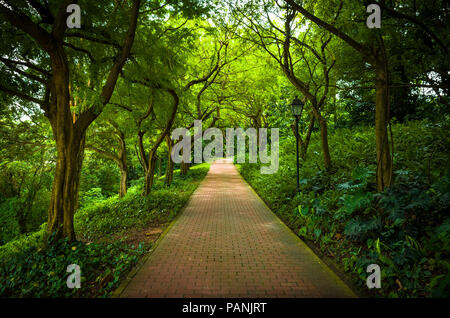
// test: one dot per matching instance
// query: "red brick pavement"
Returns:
(227, 243)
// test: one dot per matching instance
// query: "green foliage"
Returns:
(22, 243)
(91, 196)
(9, 227)
(115, 216)
(41, 272)
(98, 175)
(404, 229)
(24, 179)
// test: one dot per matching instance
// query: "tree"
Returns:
(118, 153)
(55, 75)
(374, 50)
(314, 57)
(27, 163)
(374, 53)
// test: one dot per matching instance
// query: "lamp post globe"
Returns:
(297, 107)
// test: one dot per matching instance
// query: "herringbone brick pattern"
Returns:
(227, 243)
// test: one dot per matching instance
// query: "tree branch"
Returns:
(24, 23)
(207, 76)
(105, 154)
(79, 49)
(21, 72)
(27, 64)
(21, 95)
(350, 41)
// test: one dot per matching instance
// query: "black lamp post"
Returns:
(297, 108)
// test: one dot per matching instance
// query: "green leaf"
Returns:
(304, 210)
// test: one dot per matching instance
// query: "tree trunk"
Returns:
(384, 159)
(169, 172)
(64, 199)
(142, 156)
(150, 173)
(69, 135)
(182, 169)
(123, 182)
(324, 141)
(379, 62)
(170, 164)
(160, 173)
(151, 163)
(70, 152)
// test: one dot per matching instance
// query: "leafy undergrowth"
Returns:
(103, 252)
(114, 217)
(405, 230)
(42, 272)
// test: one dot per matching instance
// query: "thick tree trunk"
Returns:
(70, 152)
(64, 199)
(384, 159)
(123, 182)
(69, 136)
(323, 135)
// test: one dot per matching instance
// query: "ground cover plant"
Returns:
(404, 229)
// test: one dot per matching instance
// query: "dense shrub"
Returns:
(23, 243)
(114, 216)
(98, 171)
(23, 203)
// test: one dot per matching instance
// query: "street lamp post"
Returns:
(297, 108)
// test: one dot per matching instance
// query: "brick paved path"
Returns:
(227, 243)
